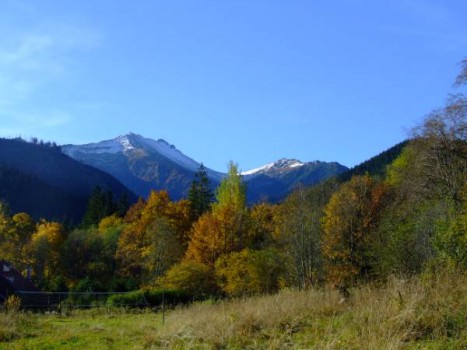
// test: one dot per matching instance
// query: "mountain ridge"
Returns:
(53, 179)
(144, 164)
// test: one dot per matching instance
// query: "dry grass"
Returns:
(403, 314)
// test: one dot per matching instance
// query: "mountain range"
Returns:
(55, 182)
(143, 164)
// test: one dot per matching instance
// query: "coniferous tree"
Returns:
(200, 194)
(100, 205)
(122, 205)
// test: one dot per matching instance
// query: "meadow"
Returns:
(424, 312)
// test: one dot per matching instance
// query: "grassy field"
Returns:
(422, 313)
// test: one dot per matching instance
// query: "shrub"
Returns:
(190, 277)
(249, 272)
(170, 297)
(12, 304)
(131, 299)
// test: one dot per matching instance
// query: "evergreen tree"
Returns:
(100, 205)
(200, 194)
(122, 205)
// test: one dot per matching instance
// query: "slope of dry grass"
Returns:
(402, 314)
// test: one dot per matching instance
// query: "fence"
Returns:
(72, 300)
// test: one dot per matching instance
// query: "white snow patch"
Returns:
(131, 141)
(257, 170)
(279, 165)
(297, 164)
(171, 152)
(124, 142)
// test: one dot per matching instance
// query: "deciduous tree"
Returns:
(349, 222)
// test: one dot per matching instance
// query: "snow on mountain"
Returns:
(143, 165)
(282, 165)
(170, 151)
(130, 142)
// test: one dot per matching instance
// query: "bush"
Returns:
(153, 298)
(12, 304)
(171, 298)
(131, 299)
(192, 278)
(249, 272)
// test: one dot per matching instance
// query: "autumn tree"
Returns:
(162, 249)
(225, 228)
(441, 146)
(298, 233)
(22, 229)
(403, 242)
(7, 245)
(44, 253)
(151, 227)
(249, 272)
(423, 224)
(349, 222)
(15, 233)
(85, 257)
(262, 225)
(192, 277)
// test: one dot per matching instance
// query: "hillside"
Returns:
(375, 166)
(274, 185)
(47, 184)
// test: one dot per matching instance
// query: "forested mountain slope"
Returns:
(40, 180)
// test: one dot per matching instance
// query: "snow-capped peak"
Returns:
(130, 142)
(166, 149)
(280, 165)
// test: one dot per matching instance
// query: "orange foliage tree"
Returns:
(350, 219)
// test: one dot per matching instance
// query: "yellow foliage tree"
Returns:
(153, 237)
(44, 251)
(192, 277)
(350, 217)
(225, 229)
(249, 272)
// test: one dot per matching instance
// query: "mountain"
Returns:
(375, 166)
(44, 182)
(144, 164)
(274, 181)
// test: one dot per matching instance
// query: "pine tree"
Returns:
(100, 205)
(200, 194)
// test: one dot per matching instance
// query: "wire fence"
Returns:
(59, 301)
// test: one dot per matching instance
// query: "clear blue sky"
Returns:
(245, 80)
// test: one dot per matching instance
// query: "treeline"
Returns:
(410, 219)
(41, 143)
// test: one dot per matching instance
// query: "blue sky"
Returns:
(245, 80)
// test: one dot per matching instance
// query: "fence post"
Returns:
(163, 306)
